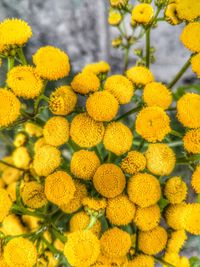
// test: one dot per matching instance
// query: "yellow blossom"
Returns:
(191, 141)
(171, 14)
(134, 162)
(190, 36)
(142, 13)
(175, 190)
(188, 9)
(114, 18)
(196, 180)
(140, 75)
(21, 157)
(33, 129)
(97, 68)
(141, 261)
(176, 241)
(5, 204)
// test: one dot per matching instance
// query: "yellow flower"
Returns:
(175, 216)
(118, 138)
(171, 14)
(14, 32)
(46, 160)
(94, 204)
(82, 248)
(120, 210)
(153, 124)
(191, 141)
(32, 194)
(11, 189)
(85, 131)
(144, 189)
(190, 36)
(9, 107)
(188, 111)
(160, 159)
(175, 190)
(176, 241)
(147, 218)
(21, 157)
(184, 262)
(24, 82)
(20, 139)
(152, 242)
(142, 13)
(5, 204)
(120, 87)
(59, 188)
(51, 63)
(188, 9)
(104, 261)
(171, 258)
(140, 75)
(109, 180)
(3, 262)
(196, 180)
(114, 18)
(62, 101)
(157, 94)
(195, 62)
(97, 68)
(192, 220)
(84, 164)
(141, 261)
(134, 162)
(85, 83)
(12, 226)
(33, 129)
(118, 3)
(10, 175)
(20, 252)
(39, 143)
(115, 243)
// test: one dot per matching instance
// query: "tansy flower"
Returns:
(5, 204)
(97, 67)
(191, 141)
(62, 101)
(175, 190)
(33, 129)
(115, 243)
(20, 252)
(39, 143)
(118, 138)
(153, 124)
(56, 131)
(157, 94)
(24, 82)
(3, 262)
(152, 242)
(196, 180)
(190, 36)
(85, 83)
(184, 6)
(176, 241)
(109, 180)
(160, 159)
(105, 261)
(21, 157)
(184, 262)
(32, 194)
(114, 18)
(46, 160)
(120, 87)
(59, 188)
(142, 13)
(120, 210)
(118, 3)
(147, 218)
(51, 63)
(144, 189)
(82, 248)
(85, 131)
(9, 107)
(20, 139)
(134, 162)
(188, 111)
(94, 204)
(12, 225)
(14, 32)
(141, 261)
(171, 14)
(171, 258)
(192, 219)
(175, 216)
(84, 164)
(10, 175)
(102, 106)
(140, 75)
(195, 62)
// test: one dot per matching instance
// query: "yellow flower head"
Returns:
(118, 3)
(20, 252)
(33, 129)
(134, 162)
(172, 258)
(160, 159)
(5, 204)
(109, 180)
(114, 18)
(51, 63)
(12, 226)
(171, 14)
(84, 164)
(115, 243)
(144, 189)
(147, 218)
(195, 62)
(46, 160)
(188, 111)
(141, 261)
(14, 32)
(188, 9)
(120, 87)
(39, 143)
(157, 94)
(175, 216)
(176, 241)
(9, 107)
(153, 124)
(32, 194)
(21, 157)
(24, 82)
(152, 242)
(184, 262)
(59, 188)
(196, 180)
(120, 210)
(191, 141)
(97, 67)
(192, 220)
(118, 138)
(190, 36)
(20, 139)
(175, 190)
(94, 204)
(56, 131)
(82, 248)
(85, 83)
(142, 14)
(85, 131)
(140, 75)
(10, 175)
(62, 101)
(3, 262)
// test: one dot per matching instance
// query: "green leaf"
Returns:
(194, 262)
(163, 202)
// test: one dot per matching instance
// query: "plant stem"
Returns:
(21, 210)
(175, 133)
(21, 56)
(148, 44)
(11, 62)
(12, 166)
(92, 222)
(128, 113)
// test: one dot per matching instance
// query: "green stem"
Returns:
(11, 62)
(92, 222)
(163, 262)
(12, 166)
(21, 56)
(141, 145)
(148, 44)
(50, 246)
(128, 113)
(21, 210)
(61, 237)
(177, 134)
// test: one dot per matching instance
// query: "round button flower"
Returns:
(118, 3)
(190, 36)
(176, 241)
(142, 261)
(97, 68)
(171, 14)
(196, 180)
(142, 13)
(114, 18)
(192, 219)
(191, 141)
(140, 75)
(5, 204)
(175, 216)
(134, 162)
(21, 157)
(175, 190)
(184, 6)
(94, 204)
